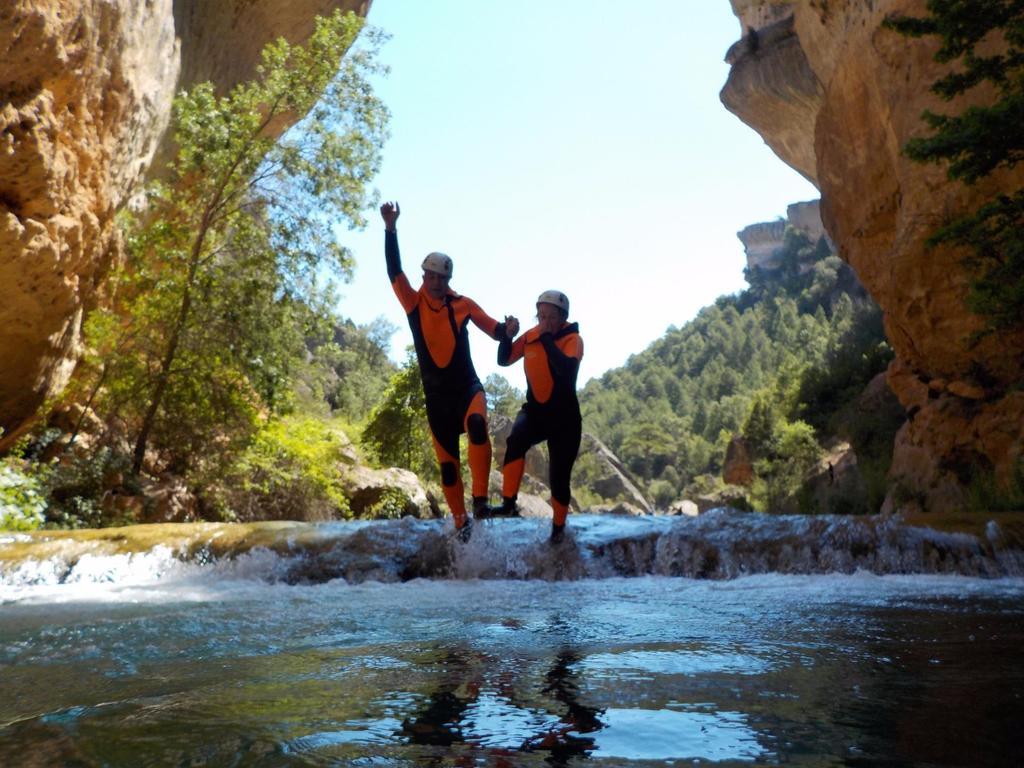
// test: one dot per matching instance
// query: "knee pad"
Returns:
(476, 428)
(449, 473)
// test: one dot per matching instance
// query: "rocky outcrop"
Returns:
(836, 96)
(535, 463)
(772, 86)
(763, 242)
(684, 508)
(835, 484)
(612, 480)
(387, 493)
(606, 477)
(85, 96)
(738, 468)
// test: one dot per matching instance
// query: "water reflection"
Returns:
(662, 734)
(469, 706)
(440, 721)
(773, 670)
(645, 665)
(472, 705)
(567, 739)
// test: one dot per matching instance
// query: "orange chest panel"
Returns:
(538, 374)
(538, 370)
(438, 334)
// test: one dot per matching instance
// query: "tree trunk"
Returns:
(163, 378)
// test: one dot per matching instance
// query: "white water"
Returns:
(718, 545)
(326, 656)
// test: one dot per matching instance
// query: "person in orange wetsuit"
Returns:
(551, 351)
(439, 319)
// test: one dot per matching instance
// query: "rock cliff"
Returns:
(836, 96)
(85, 97)
(763, 241)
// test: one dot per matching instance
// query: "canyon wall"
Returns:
(837, 96)
(85, 96)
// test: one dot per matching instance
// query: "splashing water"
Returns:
(636, 642)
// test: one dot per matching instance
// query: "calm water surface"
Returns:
(216, 668)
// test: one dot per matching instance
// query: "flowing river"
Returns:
(729, 639)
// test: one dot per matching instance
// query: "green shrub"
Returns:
(22, 497)
(289, 472)
(75, 487)
(390, 506)
(780, 474)
(662, 493)
(397, 434)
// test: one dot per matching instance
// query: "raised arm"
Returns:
(399, 282)
(390, 213)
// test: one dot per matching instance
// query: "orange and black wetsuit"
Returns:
(454, 395)
(551, 411)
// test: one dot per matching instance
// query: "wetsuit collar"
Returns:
(432, 302)
(566, 329)
(534, 333)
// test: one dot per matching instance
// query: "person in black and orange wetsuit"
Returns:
(439, 319)
(552, 351)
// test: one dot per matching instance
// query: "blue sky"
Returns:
(573, 145)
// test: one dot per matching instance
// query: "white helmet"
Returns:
(557, 298)
(438, 262)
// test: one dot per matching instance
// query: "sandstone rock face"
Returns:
(836, 96)
(772, 83)
(836, 485)
(86, 89)
(762, 242)
(738, 468)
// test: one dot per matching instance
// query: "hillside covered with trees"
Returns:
(780, 364)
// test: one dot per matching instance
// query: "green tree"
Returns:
(289, 471)
(502, 397)
(739, 367)
(760, 427)
(663, 493)
(349, 368)
(397, 433)
(650, 448)
(22, 496)
(226, 270)
(979, 141)
(780, 475)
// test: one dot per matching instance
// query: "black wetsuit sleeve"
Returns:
(504, 346)
(562, 366)
(391, 255)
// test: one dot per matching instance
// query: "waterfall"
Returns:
(721, 544)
